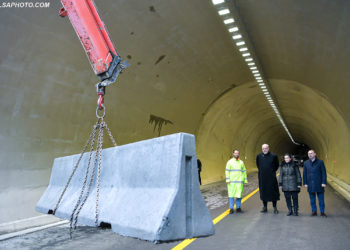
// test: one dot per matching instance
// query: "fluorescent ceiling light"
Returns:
(215, 2)
(255, 71)
(230, 20)
(246, 54)
(249, 59)
(233, 29)
(260, 80)
(240, 43)
(223, 12)
(251, 63)
(237, 37)
(262, 84)
(253, 68)
(257, 74)
(243, 49)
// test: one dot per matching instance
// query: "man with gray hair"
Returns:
(268, 164)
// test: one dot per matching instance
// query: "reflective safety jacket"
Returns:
(236, 176)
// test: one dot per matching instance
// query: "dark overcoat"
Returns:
(268, 186)
(314, 175)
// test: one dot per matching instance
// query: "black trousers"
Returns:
(274, 203)
(291, 195)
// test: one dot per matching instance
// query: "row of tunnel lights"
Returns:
(237, 37)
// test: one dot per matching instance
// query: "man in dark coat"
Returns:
(267, 164)
(199, 165)
(315, 179)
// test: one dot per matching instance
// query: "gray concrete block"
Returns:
(149, 190)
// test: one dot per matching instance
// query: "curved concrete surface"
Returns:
(241, 119)
(186, 74)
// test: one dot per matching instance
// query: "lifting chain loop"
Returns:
(97, 163)
(98, 115)
(91, 137)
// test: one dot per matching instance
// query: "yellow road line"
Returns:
(186, 242)
(183, 244)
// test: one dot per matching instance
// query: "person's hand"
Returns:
(305, 186)
(323, 185)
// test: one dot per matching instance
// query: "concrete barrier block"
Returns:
(149, 190)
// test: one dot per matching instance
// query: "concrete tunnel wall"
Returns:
(181, 72)
(242, 119)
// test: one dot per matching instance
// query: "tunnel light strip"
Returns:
(223, 12)
(235, 37)
(215, 2)
(229, 18)
(228, 21)
(233, 29)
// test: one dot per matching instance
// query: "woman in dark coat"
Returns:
(290, 181)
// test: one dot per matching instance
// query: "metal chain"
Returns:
(110, 135)
(89, 187)
(86, 177)
(92, 135)
(100, 124)
(100, 144)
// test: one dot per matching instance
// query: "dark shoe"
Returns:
(289, 213)
(296, 212)
(239, 210)
(231, 211)
(314, 214)
(275, 211)
(323, 215)
(263, 210)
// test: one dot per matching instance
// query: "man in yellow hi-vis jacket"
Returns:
(236, 176)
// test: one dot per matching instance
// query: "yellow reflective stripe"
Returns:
(183, 244)
(186, 242)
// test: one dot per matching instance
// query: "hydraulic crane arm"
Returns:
(97, 44)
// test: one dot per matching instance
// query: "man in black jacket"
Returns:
(268, 164)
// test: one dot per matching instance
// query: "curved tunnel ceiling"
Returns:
(239, 119)
(184, 69)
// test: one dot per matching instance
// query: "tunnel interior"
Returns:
(186, 75)
(225, 127)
